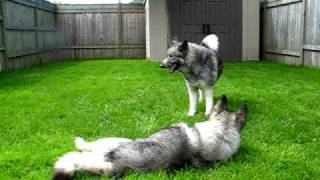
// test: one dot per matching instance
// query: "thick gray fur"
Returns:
(200, 66)
(218, 138)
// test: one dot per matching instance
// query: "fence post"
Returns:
(303, 17)
(120, 23)
(36, 21)
(3, 34)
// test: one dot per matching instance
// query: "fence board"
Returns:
(3, 57)
(94, 31)
(19, 14)
(292, 31)
(30, 30)
(133, 34)
(38, 31)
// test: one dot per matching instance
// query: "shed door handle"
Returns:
(208, 29)
(204, 27)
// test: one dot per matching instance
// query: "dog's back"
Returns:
(166, 148)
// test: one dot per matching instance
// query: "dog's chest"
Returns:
(218, 141)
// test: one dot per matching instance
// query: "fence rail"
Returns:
(29, 33)
(119, 28)
(291, 31)
(36, 31)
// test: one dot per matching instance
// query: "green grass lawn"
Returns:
(44, 108)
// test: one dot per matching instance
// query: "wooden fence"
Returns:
(2, 45)
(101, 31)
(36, 31)
(292, 31)
(27, 33)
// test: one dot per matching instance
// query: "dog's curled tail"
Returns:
(211, 41)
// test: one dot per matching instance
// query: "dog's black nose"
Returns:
(162, 65)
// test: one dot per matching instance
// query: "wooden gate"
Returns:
(192, 20)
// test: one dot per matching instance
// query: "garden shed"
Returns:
(235, 22)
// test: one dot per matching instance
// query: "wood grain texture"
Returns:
(38, 32)
(30, 32)
(292, 31)
(94, 32)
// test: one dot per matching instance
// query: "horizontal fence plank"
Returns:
(20, 28)
(2, 48)
(33, 28)
(25, 2)
(277, 3)
(98, 8)
(311, 47)
(283, 52)
(47, 29)
(39, 4)
(27, 53)
(104, 47)
(47, 6)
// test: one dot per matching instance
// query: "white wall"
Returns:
(156, 29)
(250, 29)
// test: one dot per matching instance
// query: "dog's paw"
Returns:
(207, 114)
(80, 143)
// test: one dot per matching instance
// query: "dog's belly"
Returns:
(198, 84)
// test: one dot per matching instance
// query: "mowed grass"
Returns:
(44, 108)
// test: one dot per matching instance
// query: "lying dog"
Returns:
(200, 66)
(218, 138)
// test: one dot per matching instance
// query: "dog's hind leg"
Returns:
(193, 99)
(208, 93)
(71, 162)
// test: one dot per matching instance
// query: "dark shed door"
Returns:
(192, 20)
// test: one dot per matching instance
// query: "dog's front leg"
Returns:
(209, 100)
(193, 99)
(201, 95)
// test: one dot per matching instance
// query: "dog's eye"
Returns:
(170, 55)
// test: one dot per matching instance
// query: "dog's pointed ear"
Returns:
(221, 105)
(241, 115)
(184, 46)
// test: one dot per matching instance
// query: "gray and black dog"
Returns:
(200, 66)
(216, 139)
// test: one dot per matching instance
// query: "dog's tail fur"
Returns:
(211, 41)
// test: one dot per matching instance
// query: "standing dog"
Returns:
(218, 138)
(200, 66)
